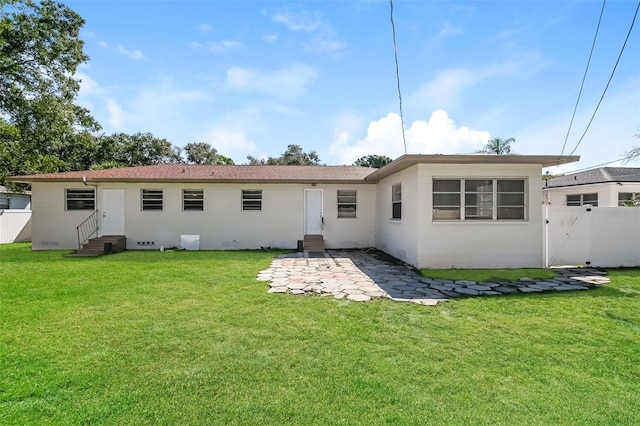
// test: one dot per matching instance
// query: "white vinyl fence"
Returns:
(15, 226)
(594, 236)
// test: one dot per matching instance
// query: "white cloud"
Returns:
(290, 83)
(100, 102)
(134, 55)
(231, 143)
(438, 135)
(270, 38)
(205, 28)
(224, 45)
(303, 21)
(324, 45)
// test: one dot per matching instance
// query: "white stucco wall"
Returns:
(607, 193)
(399, 237)
(221, 225)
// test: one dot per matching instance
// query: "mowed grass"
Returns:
(191, 338)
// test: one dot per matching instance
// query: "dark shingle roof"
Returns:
(601, 175)
(209, 173)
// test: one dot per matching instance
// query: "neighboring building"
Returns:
(10, 200)
(431, 211)
(15, 216)
(603, 187)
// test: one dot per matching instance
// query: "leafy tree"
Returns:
(376, 161)
(201, 153)
(222, 159)
(293, 156)
(39, 53)
(140, 149)
(498, 146)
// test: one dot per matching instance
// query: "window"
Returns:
(582, 199)
(396, 201)
(347, 204)
(4, 202)
(193, 199)
(152, 199)
(479, 199)
(624, 199)
(80, 199)
(251, 200)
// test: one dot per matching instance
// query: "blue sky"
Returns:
(251, 77)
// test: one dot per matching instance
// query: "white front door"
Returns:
(112, 212)
(313, 211)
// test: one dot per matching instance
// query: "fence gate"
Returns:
(595, 236)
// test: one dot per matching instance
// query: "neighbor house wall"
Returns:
(221, 225)
(490, 244)
(607, 193)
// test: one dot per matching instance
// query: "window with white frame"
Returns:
(193, 199)
(624, 199)
(396, 201)
(476, 199)
(151, 199)
(251, 200)
(80, 199)
(4, 202)
(582, 199)
(347, 203)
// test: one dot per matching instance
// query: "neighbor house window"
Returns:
(624, 199)
(479, 199)
(396, 201)
(80, 199)
(582, 199)
(251, 200)
(4, 202)
(152, 199)
(193, 199)
(347, 203)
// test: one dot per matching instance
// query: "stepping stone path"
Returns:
(361, 276)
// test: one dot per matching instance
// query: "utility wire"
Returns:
(610, 78)
(584, 77)
(395, 53)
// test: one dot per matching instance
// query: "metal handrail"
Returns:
(87, 229)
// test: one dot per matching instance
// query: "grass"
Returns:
(480, 275)
(192, 338)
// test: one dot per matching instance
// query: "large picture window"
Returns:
(396, 201)
(251, 200)
(152, 199)
(582, 199)
(193, 199)
(347, 203)
(476, 199)
(80, 199)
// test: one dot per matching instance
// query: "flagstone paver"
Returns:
(361, 276)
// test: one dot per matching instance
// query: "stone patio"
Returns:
(361, 276)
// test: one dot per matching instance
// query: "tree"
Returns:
(293, 156)
(201, 153)
(39, 53)
(139, 149)
(498, 146)
(633, 153)
(376, 161)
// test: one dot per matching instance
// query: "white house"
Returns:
(431, 211)
(602, 187)
(15, 216)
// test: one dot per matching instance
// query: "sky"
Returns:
(252, 77)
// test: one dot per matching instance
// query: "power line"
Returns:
(395, 53)
(584, 77)
(610, 78)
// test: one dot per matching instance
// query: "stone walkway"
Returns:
(361, 276)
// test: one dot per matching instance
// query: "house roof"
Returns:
(209, 173)
(5, 190)
(281, 174)
(409, 160)
(600, 175)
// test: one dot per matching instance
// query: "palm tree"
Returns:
(498, 146)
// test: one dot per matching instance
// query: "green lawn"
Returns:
(192, 338)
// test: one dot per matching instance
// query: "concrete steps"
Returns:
(313, 243)
(102, 245)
